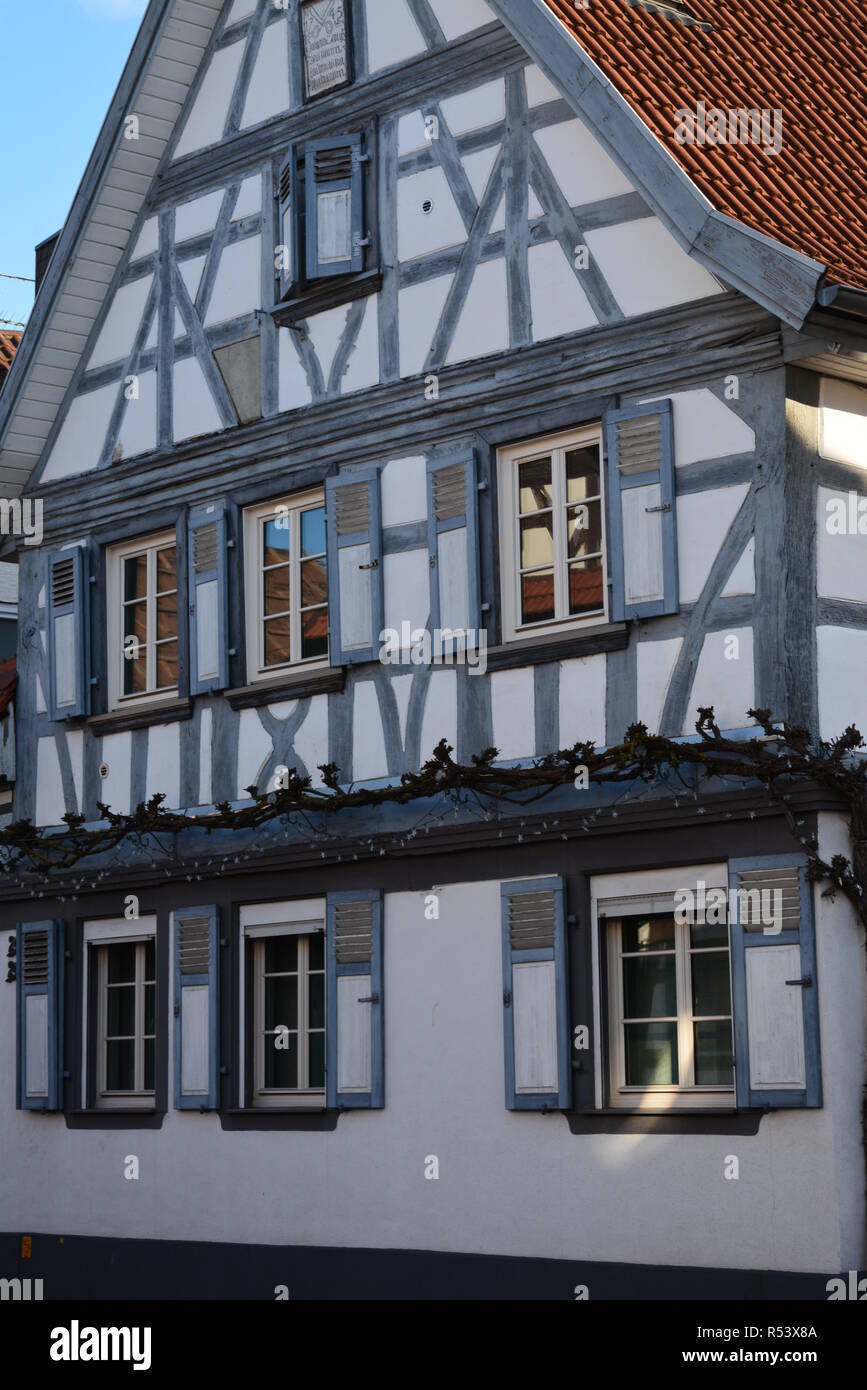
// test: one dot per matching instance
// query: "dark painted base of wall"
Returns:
(83, 1267)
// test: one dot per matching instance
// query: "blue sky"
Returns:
(61, 63)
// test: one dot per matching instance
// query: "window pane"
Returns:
(651, 1054)
(121, 963)
(277, 590)
(149, 1067)
(167, 665)
(314, 633)
(537, 540)
(167, 569)
(167, 616)
(582, 473)
(537, 596)
(281, 1063)
(150, 1005)
(135, 576)
(334, 226)
(584, 528)
(317, 1001)
(276, 641)
(649, 987)
(135, 622)
(314, 583)
(121, 1011)
(313, 531)
(317, 951)
(281, 954)
(276, 540)
(120, 1068)
(534, 482)
(709, 933)
(281, 1001)
(713, 1054)
(150, 960)
(317, 1059)
(135, 674)
(585, 586)
(642, 933)
(710, 984)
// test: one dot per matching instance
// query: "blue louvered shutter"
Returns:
(197, 1008)
(68, 634)
(535, 995)
(775, 988)
(355, 591)
(39, 999)
(207, 560)
(334, 206)
(288, 272)
(355, 1025)
(642, 524)
(453, 542)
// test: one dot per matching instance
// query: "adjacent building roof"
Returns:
(804, 58)
(8, 682)
(9, 340)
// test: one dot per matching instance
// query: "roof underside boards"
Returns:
(166, 55)
(805, 58)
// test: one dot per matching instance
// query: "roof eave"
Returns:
(780, 279)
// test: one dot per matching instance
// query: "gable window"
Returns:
(143, 620)
(120, 1014)
(287, 585)
(552, 533)
(284, 968)
(326, 45)
(669, 1002)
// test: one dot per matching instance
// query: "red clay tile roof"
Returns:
(9, 340)
(8, 682)
(807, 58)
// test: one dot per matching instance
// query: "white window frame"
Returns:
(508, 460)
(294, 505)
(97, 936)
(303, 918)
(115, 557)
(614, 895)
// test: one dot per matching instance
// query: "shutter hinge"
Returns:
(507, 999)
(374, 565)
(433, 560)
(233, 651)
(94, 680)
(224, 1071)
(230, 545)
(92, 579)
(572, 920)
(663, 507)
(362, 241)
(805, 983)
(481, 487)
(177, 1012)
(486, 608)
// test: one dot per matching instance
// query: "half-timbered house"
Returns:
(381, 318)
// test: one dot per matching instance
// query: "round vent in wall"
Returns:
(427, 206)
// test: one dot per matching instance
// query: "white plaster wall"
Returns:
(477, 168)
(646, 269)
(539, 87)
(510, 1183)
(238, 286)
(294, 388)
(249, 200)
(254, 747)
(726, 682)
(240, 10)
(743, 577)
(50, 806)
(138, 432)
(205, 759)
(114, 790)
(440, 712)
(403, 488)
(479, 107)
(457, 17)
(198, 216)
(582, 701)
(368, 742)
(164, 763)
(193, 405)
(558, 303)
(513, 711)
(392, 35)
(269, 85)
(841, 568)
(311, 740)
(703, 521)
(121, 323)
(205, 123)
(706, 427)
(483, 326)
(148, 239)
(419, 310)
(655, 667)
(579, 164)
(362, 368)
(843, 422)
(82, 434)
(419, 233)
(842, 679)
(411, 133)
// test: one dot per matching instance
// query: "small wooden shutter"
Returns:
(535, 996)
(355, 1040)
(642, 561)
(197, 1008)
(775, 989)
(288, 234)
(68, 634)
(334, 206)
(208, 598)
(453, 541)
(355, 597)
(39, 998)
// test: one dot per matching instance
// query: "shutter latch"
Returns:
(370, 999)
(663, 507)
(805, 983)
(374, 565)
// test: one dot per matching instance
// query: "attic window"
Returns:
(672, 9)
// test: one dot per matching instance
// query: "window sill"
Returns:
(327, 680)
(136, 1117)
(326, 295)
(528, 651)
(707, 1121)
(311, 1118)
(140, 716)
